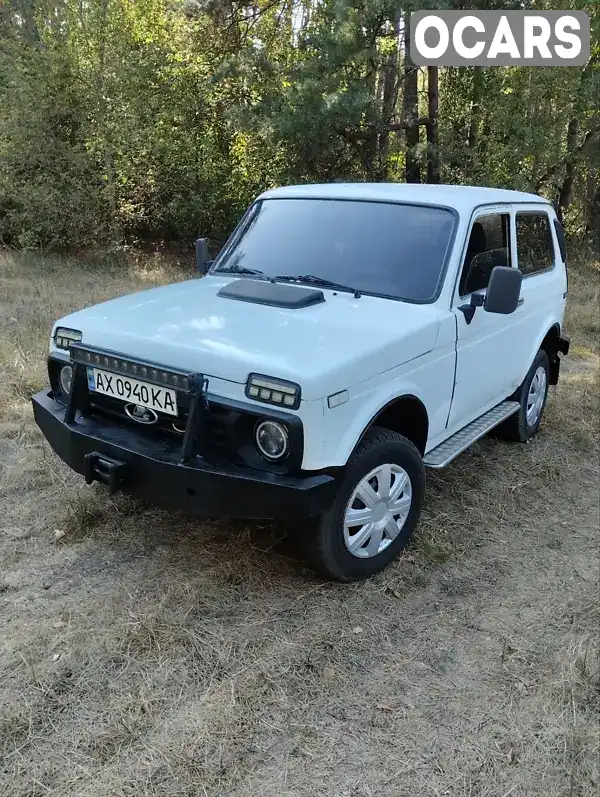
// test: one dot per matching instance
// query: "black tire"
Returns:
(327, 548)
(516, 428)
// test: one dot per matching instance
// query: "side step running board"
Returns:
(443, 454)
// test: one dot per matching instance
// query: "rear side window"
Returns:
(535, 250)
(562, 241)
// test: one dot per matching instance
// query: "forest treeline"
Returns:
(127, 120)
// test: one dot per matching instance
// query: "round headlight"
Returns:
(66, 379)
(271, 439)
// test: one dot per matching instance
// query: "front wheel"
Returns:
(375, 511)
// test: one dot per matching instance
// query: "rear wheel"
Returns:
(375, 511)
(532, 397)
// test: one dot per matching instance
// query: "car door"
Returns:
(487, 348)
(544, 285)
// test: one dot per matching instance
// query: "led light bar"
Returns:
(273, 391)
(63, 337)
(95, 358)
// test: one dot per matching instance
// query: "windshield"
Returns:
(386, 249)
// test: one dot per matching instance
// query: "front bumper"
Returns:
(150, 470)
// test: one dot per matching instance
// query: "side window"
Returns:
(534, 242)
(488, 247)
(562, 241)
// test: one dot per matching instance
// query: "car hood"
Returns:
(324, 348)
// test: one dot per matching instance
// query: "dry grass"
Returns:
(144, 653)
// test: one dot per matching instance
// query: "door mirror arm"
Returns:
(202, 257)
(468, 310)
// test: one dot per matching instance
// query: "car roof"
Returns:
(461, 197)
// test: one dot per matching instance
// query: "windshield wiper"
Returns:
(251, 272)
(311, 279)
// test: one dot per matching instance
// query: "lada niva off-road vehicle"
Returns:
(346, 338)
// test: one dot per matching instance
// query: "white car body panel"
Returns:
(462, 198)
(544, 299)
(324, 348)
(429, 378)
(494, 352)
(377, 349)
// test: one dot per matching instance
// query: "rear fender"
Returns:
(552, 323)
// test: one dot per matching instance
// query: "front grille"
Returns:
(115, 409)
(222, 430)
(169, 428)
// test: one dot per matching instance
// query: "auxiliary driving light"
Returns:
(119, 365)
(66, 379)
(271, 439)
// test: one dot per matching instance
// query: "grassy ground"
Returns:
(143, 653)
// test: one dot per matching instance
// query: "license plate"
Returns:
(160, 399)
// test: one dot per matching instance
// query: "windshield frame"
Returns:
(246, 218)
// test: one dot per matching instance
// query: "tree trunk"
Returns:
(433, 153)
(369, 146)
(27, 11)
(389, 98)
(107, 155)
(475, 108)
(410, 111)
(566, 189)
(573, 150)
(592, 214)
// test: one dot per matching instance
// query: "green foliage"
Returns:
(157, 119)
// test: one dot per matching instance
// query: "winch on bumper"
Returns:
(176, 478)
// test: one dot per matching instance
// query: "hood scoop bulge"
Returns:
(292, 297)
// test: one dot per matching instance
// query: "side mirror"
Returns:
(202, 261)
(503, 291)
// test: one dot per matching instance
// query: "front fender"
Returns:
(428, 378)
(345, 429)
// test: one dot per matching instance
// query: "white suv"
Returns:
(345, 338)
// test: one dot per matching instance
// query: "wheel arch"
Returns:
(548, 340)
(550, 344)
(405, 414)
